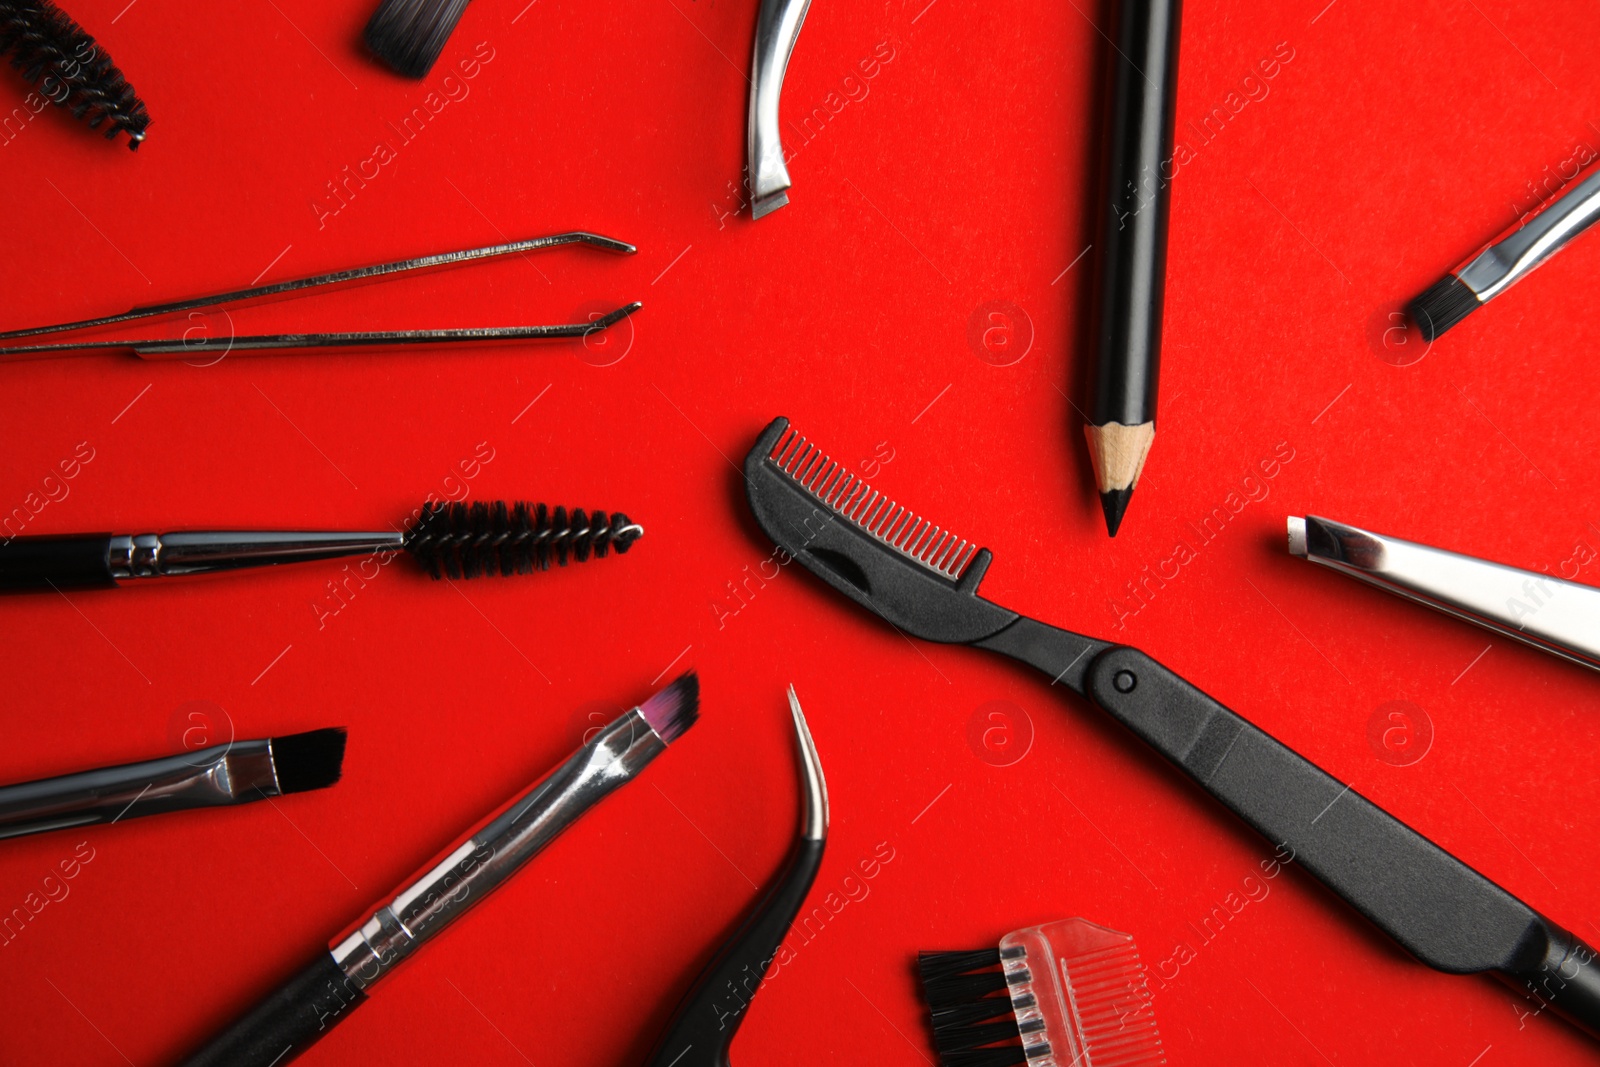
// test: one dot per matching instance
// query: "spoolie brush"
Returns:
(409, 34)
(70, 69)
(448, 540)
(1066, 993)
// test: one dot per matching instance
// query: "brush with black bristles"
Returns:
(409, 34)
(1065, 994)
(339, 978)
(1508, 259)
(234, 773)
(448, 540)
(70, 69)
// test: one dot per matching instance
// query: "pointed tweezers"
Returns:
(170, 348)
(1557, 616)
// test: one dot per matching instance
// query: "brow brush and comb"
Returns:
(923, 579)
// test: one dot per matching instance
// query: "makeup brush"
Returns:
(1065, 993)
(291, 1019)
(448, 540)
(1507, 260)
(409, 34)
(77, 74)
(234, 773)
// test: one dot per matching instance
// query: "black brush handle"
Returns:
(44, 563)
(1441, 910)
(288, 1021)
(703, 1027)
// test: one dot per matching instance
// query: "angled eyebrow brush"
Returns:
(158, 348)
(704, 1026)
(234, 773)
(924, 579)
(339, 979)
(448, 540)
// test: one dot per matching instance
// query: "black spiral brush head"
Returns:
(70, 69)
(468, 540)
(409, 34)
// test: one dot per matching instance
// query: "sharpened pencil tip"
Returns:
(1115, 504)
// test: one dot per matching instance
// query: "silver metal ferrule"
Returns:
(210, 777)
(777, 29)
(1552, 614)
(490, 855)
(1515, 255)
(813, 786)
(203, 551)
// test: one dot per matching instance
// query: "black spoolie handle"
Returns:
(468, 540)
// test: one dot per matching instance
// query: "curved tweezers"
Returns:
(777, 29)
(705, 1023)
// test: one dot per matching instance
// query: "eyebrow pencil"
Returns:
(708, 1018)
(70, 69)
(189, 346)
(924, 580)
(1549, 613)
(1131, 247)
(778, 25)
(1508, 259)
(300, 1012)
(238, 772)
(448, 540)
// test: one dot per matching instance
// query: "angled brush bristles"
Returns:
(1445, 303)
(468, 540)
(409, 34)
(674, 709)
(836, 488)
(70, 69)
(312, 760)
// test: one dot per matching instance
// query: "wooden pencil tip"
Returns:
(1115, 504)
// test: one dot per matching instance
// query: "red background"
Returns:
(1388, 148)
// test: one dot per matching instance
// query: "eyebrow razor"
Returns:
(923, 579)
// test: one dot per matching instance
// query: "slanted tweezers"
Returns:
(777, 29)
(186, 346)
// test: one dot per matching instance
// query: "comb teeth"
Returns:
(837, 489)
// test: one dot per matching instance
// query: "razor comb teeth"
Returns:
(834, 486)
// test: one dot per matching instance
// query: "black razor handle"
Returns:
(1441, 910)
(703, 1027)
(45, 563)
(287, 1021)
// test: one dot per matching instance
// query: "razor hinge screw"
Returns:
(1124, 681)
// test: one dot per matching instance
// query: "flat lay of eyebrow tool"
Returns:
(188, 346)
(777, 29)
(1549, 613)
(924, 580)
(707, 1020)
(448, 540)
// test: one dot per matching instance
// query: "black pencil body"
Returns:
(1131, 246)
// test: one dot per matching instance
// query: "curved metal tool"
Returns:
(777, 29)
(706, 1021)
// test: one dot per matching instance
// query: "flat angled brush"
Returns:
(924, 580)
(409, 34)
(235, 773)
(447, 540)
(339, 979)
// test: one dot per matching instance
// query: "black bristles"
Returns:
(70, 69)
(409, 34)
(974, 1023)
(312, 760)
(672, 710)
(469, 540)
(1445, 303)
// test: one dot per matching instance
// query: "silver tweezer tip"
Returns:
(1297, 536)
(814, 818)
(766, 205)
